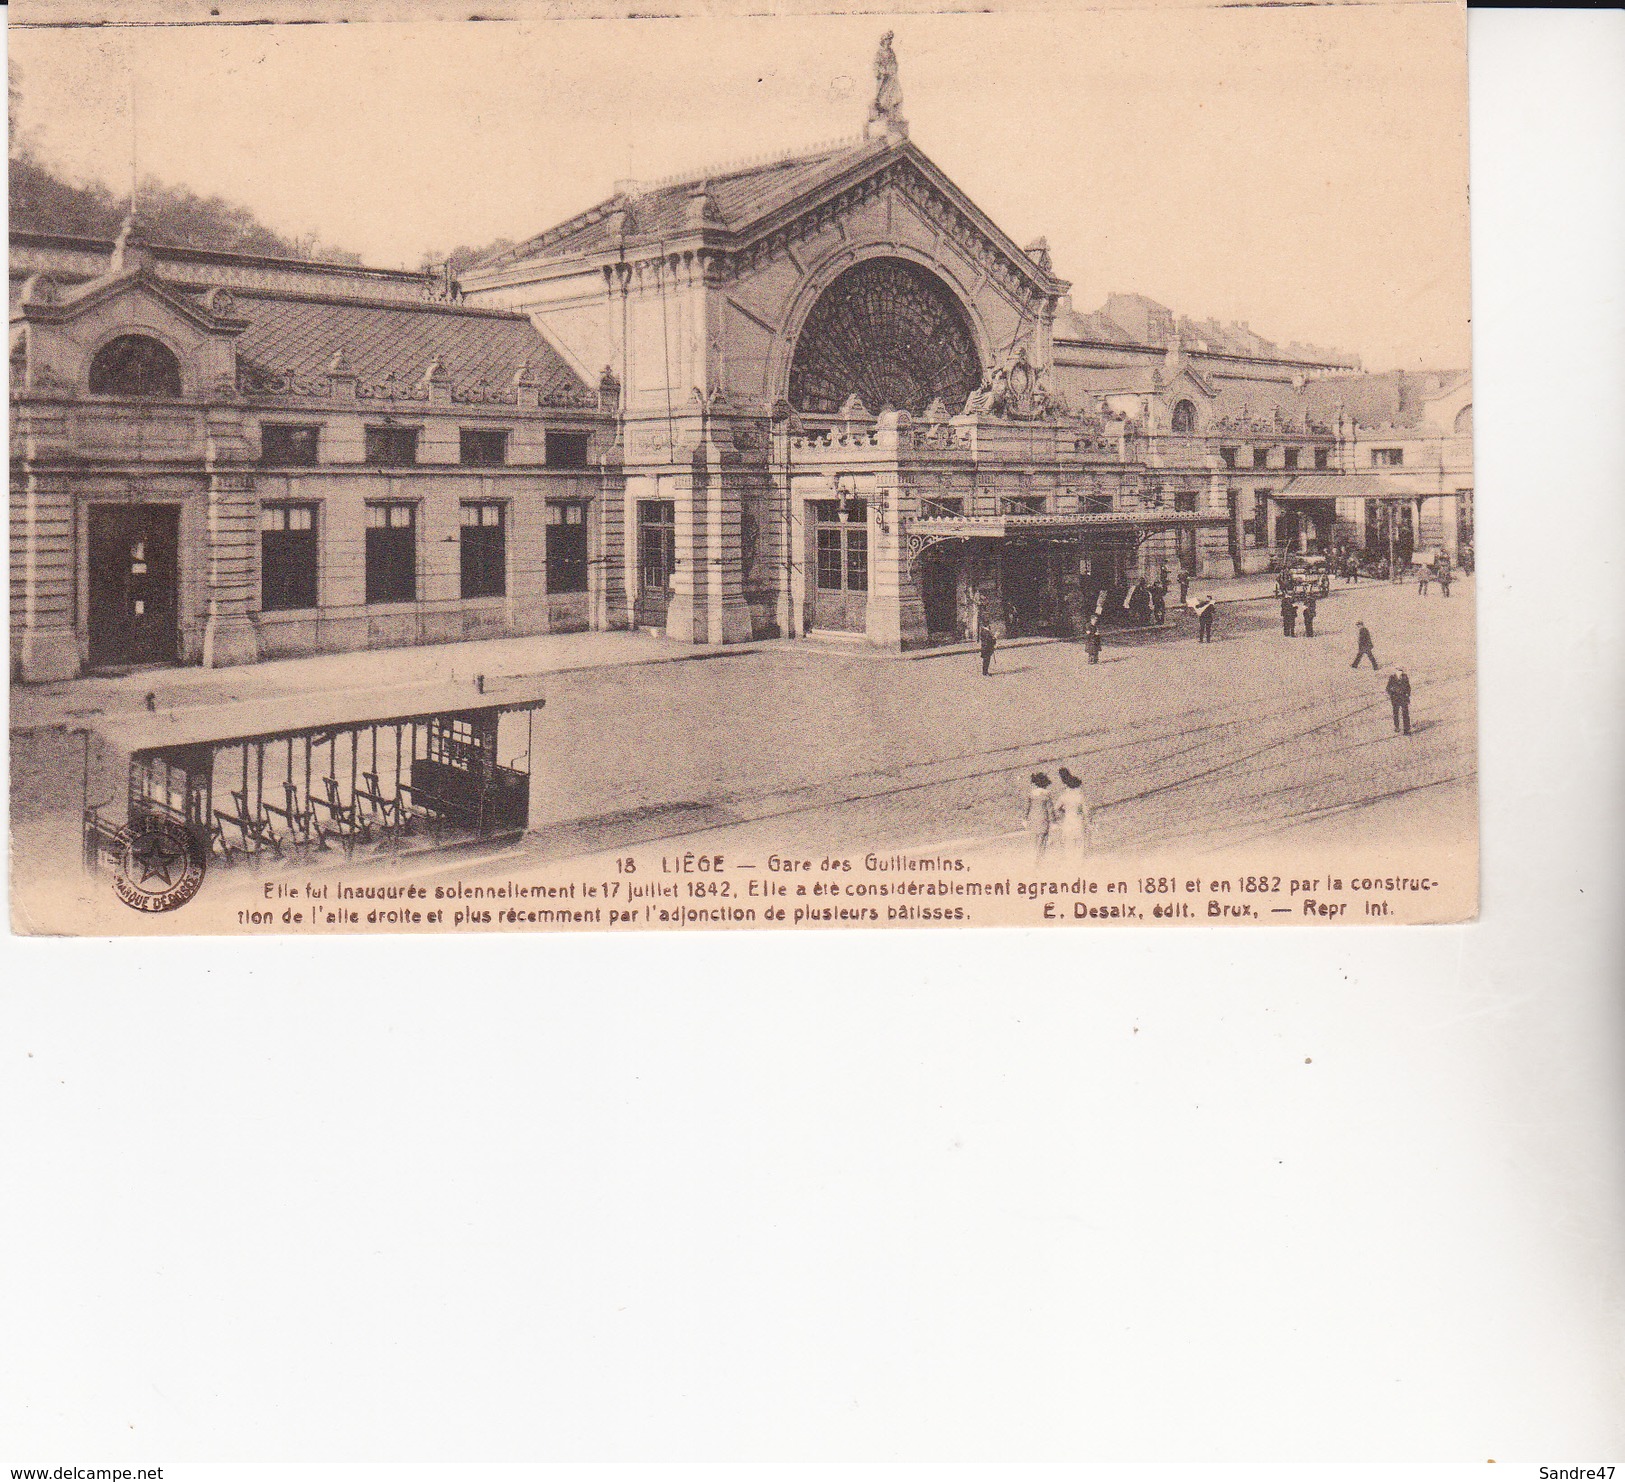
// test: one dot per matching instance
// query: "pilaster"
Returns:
(229, 634)
(48, 642)
(727, 615)
(685, 613)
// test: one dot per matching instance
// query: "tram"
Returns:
(296, 778)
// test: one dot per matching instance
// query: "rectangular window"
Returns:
(392, 447)
(1323, 457)
(566, 545)
(286, 446)
(1096, 504)
(941, 509)
(829, 560)
(1387, 457)
(1228, 457)
(857, 560)
(567, 449)
(287, 557)
(392, 555)
(1025, 504)
(479, 448)
(1185, 499)
(1261, 457)
(657, 543)
(1291, 457)
(484, 550)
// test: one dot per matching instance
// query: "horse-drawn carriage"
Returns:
(1304, 576)
(304, 776)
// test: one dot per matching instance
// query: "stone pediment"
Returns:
(902, 168)
(740, 217)
(45, 302)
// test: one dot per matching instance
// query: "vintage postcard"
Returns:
(565, 472)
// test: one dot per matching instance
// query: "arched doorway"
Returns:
(938, 573)
(889, 332)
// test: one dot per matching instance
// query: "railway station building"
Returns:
(816, 395)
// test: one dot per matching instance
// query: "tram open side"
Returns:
(301, 777)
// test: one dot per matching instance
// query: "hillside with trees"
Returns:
(42, 200)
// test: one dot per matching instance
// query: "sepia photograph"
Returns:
(787, 470)
(540, 533)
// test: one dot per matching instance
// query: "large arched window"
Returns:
(1185, 417)
(1464, 420)
(889, 332)
(135, 365)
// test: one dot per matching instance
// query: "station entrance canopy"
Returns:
(1346, 486)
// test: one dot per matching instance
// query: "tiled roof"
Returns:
(300, 337)
(1384, 399)
(1095, 327)
(738, 197)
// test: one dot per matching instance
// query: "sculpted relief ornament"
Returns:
(1014, 389)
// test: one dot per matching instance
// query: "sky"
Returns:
(1300, 169)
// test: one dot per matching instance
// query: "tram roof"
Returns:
(290, 717)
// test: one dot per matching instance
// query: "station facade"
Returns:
(820, 395)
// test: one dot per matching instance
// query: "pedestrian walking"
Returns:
(1309, 616)
(1204, 619)
(1289, 617)
(1071, 817)
(1423, 573)
(1445, 579)
(1184, 587)
(1362, 646)
(1091, 640)
(1040, 815)
(1399, 696)
(987, 640)
(1159, 602)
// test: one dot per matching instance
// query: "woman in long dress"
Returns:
(1040, 815)
(1071, 818)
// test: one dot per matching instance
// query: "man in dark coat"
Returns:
(1309, 616)
(1091, 640)
(1362, 647)
(988, 641)
(1204, 619)
(1184, 586)
(1159, 601)
(1399, 696)
(1289, 616)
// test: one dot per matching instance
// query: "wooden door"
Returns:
(657, 559)
(134, 598)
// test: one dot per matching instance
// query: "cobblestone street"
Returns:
(796, 749)
(809, 748)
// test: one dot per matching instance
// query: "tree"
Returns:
(459, 259)
(174, 215)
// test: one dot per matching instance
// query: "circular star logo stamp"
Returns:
(160, 867)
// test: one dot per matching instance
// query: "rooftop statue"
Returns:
(887, 108)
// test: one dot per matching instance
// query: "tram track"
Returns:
(727, 812)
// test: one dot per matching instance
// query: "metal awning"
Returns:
(1345, 486)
